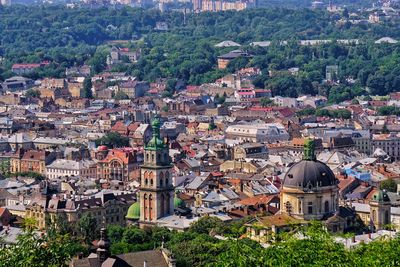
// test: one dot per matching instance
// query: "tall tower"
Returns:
(380, 210)
(156, 190)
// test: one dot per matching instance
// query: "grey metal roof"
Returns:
(309, 173)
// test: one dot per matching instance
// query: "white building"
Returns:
(389, 143)
(263, 132)
(64, 168)
(285, 101)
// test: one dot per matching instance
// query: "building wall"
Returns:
(38, 166)
(309, 206)
(363, 145)
(223, 63)
(390, 146)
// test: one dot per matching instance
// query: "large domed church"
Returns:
(310, 188)
(310, 191)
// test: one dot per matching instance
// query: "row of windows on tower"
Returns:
(151, 156)
(148, 202)
(149, 178)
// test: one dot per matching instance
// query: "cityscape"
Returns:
(199, 133)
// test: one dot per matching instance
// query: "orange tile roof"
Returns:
(123, 154)
(256, 200)
(371, 194)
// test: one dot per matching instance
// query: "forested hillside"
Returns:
(69, 37)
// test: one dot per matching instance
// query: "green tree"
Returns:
(33, 249)
(32, 93)
(113, 139)
(119, 95)
(5, 166)
(264, 102)
(87, 227)
(87, 88)
(389, 185)
(206, 224)
(388, 110)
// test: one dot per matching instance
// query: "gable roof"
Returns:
(227, 43)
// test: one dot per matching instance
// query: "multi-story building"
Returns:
(122, 55)
(134, 89)
(64, 168)
(261, 133)
(250, 150)
(219, 5)
(119, 164)
(31, 161)
(389, 143)
(376, 213)
(48, 142)
(24, 68)
(105, 208)
(223, 60)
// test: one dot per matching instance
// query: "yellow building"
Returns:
(108, 208)
(75, 89)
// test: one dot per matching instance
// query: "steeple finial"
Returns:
(103, 246)
(155, 124)
(309, 149)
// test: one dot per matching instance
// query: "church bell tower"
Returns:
(156, 195)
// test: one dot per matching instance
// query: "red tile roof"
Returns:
(257, 200)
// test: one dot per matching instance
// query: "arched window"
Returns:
(326, 206)
(147, 157)
(167, 203)
(152, 158)
(162, 204)
(146, 181)
(386, 217)
(310, 207)
(150, 207)
(151, 182)
(161, 178)
(166, 178)
(145, 206)
(158, 157)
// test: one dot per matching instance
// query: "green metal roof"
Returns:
(133, 211)
(178, 202)
(156, 142)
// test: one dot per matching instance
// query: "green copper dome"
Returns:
(178, 202)
(156, 142)
(133, 211)
(381, 196)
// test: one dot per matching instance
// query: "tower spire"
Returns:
(309, 149)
